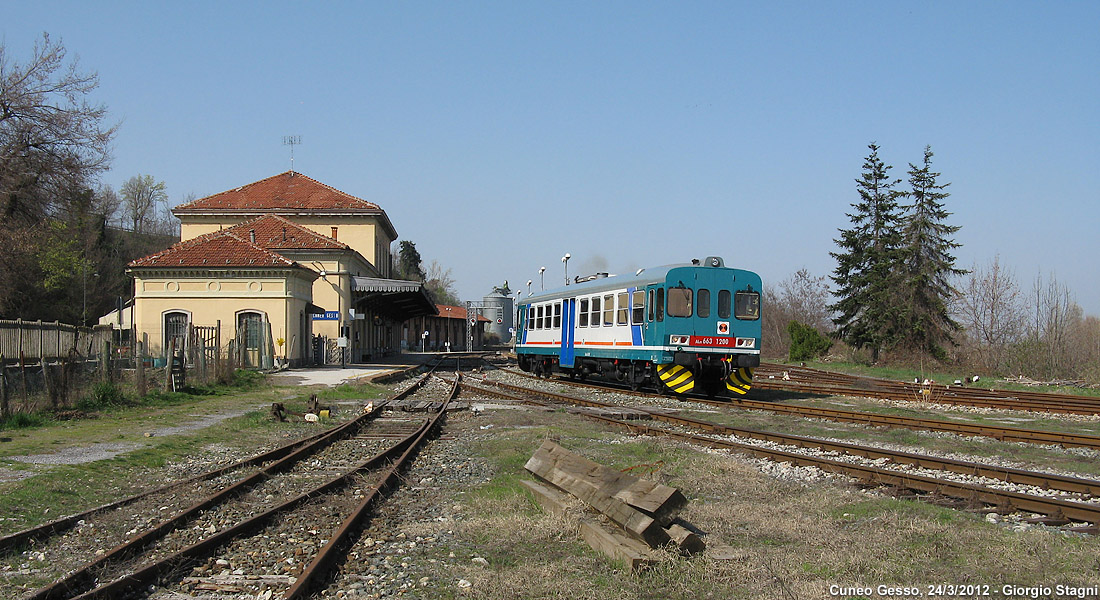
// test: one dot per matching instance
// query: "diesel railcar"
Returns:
(679, 327)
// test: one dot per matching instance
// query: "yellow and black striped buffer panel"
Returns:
(739, 381)
(677, 378)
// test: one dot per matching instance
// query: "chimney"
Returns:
(284, 233)
(252, 235)
(334, 233)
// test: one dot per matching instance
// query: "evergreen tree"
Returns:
(408, 265)
(926, 256)
(868, 287)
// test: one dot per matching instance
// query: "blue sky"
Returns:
(500, 135)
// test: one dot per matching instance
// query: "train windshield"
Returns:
(747, 306)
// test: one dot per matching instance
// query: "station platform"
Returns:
(374, 371)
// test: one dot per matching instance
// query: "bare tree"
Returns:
(992, 304)
(440, 283)
(807, 299)
(52, 140)
(801, 297)
(1057, 315)
(141, 197)
(989, 307)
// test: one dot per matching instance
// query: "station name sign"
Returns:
(328, 315)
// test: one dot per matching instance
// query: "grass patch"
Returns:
(25, 421)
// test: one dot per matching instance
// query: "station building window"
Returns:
(175, 328)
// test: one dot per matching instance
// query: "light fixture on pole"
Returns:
(565, 260)
(542, 277)
(529, 288)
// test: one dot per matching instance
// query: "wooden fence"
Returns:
(36, 340)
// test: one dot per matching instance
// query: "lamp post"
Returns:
(528, 287)
(565, 260)
(542, 278)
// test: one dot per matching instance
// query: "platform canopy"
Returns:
(396, 299)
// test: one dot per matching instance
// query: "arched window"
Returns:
(250, 336)
(175, 328)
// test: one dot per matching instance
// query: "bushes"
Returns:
(23, 421)
(806, 342)
(104, 394)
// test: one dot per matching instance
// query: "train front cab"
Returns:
(708, 320)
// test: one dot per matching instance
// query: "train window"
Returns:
(679, 302)
(723, 304)
(660, 304)
(582, 313)
(538, 317)
(746, 306)
(639, 306)
(594, 320)
(608, 310)
(530, 317)
(649, 313)
(557, 315)
(702, 303)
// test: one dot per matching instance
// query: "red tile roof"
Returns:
(287, 191)
(217, 249)
(276, 233)
(454, 312)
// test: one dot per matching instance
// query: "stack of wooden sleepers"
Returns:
(640, 514)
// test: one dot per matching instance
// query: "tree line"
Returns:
(899, 293)
(64, 257)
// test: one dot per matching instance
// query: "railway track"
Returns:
(307, 497)
(1007, 434)
(772, 376)
(1083, 507)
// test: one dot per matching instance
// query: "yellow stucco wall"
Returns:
(362, 233)
(282, 298)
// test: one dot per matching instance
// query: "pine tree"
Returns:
(926, 256)
(868, 287)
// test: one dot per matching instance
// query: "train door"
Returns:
(521, 324)
(706, 325)
(652, 331)
(568, 354)
(680, 309)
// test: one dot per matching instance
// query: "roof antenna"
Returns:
(292, 140)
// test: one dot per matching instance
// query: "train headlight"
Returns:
(746, 342)
(679, 340)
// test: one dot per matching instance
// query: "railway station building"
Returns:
(445, 330)
(288, 268)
